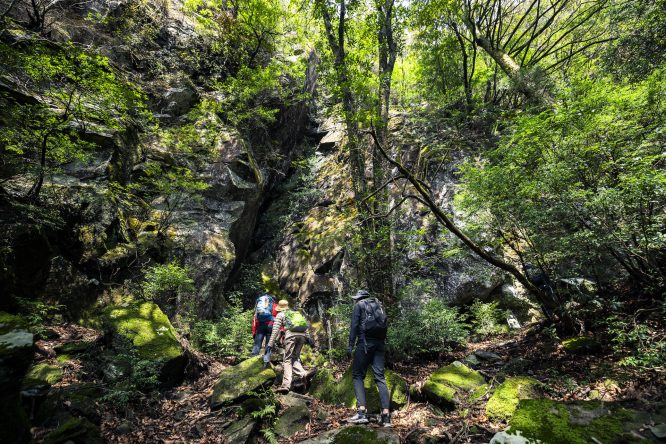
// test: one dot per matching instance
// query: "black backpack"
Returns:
(374, 322)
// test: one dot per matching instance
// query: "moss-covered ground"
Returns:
(578, 422)
(325, 388)
(504, 400)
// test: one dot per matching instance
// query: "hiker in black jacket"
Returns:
(368, 334)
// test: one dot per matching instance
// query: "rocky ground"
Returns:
(470, 396)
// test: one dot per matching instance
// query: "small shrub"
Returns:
(340, 318)
(168, 282)
(231, 335)
(487, 319)
(142, 378)
(430, 329)
(644, 342)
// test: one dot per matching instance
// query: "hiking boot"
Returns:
(361, 417)
(385, 420)
(267, 364)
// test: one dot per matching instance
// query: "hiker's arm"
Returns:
(276, 329)
(355, 322)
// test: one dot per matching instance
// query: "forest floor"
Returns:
(182, 414)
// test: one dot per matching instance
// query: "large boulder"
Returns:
(504, 401)
(239, 431)
(325, 388)
(294, 416)
(16, 354)
(449, 385)
(151, 335)
(238, 381)
(356, 435)
(74, 430)
(579, 422)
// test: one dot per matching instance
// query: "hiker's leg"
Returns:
(289, 348)
(258, 339)
(297, 366)
(378, 373)
(267, 352)
(359, 369)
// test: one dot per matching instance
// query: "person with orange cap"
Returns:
(295, 327)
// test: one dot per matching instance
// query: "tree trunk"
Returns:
(513, 70)
(547, 301)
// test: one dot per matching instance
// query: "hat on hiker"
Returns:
(360, 295)
(282, 305)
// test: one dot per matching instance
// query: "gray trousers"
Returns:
(362, 360)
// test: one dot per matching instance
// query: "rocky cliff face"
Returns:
(313, 262)
(99, 242)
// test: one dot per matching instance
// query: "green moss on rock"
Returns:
(79, 430)
(151, 334)
(577, 422)
(236, 382)
(11, 322)
(147, 327)
(73, 348)
(42, 373)
(448, 384)
(325, 388)
(356, 435)
(581, 345)
(504, 401)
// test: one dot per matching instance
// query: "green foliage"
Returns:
(487, 319)
(424, 328)
(78, 91)
(231, 335)
(167, 283)
(642, 344)
(38, 313)
(143, 377)
(174, 187)
(339, 315)
(581, 180)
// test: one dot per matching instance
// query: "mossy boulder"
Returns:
(76, 430)
(73, 348)
(325, 388)
(450, 384)
(239, 431)
(42, 374)
(238, 381)
(79, 399)
(581, 345)
(356, 435)
(151, 334)
(504, 401)
(579, 422)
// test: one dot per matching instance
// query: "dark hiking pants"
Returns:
(373, 357)
(263, 331)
